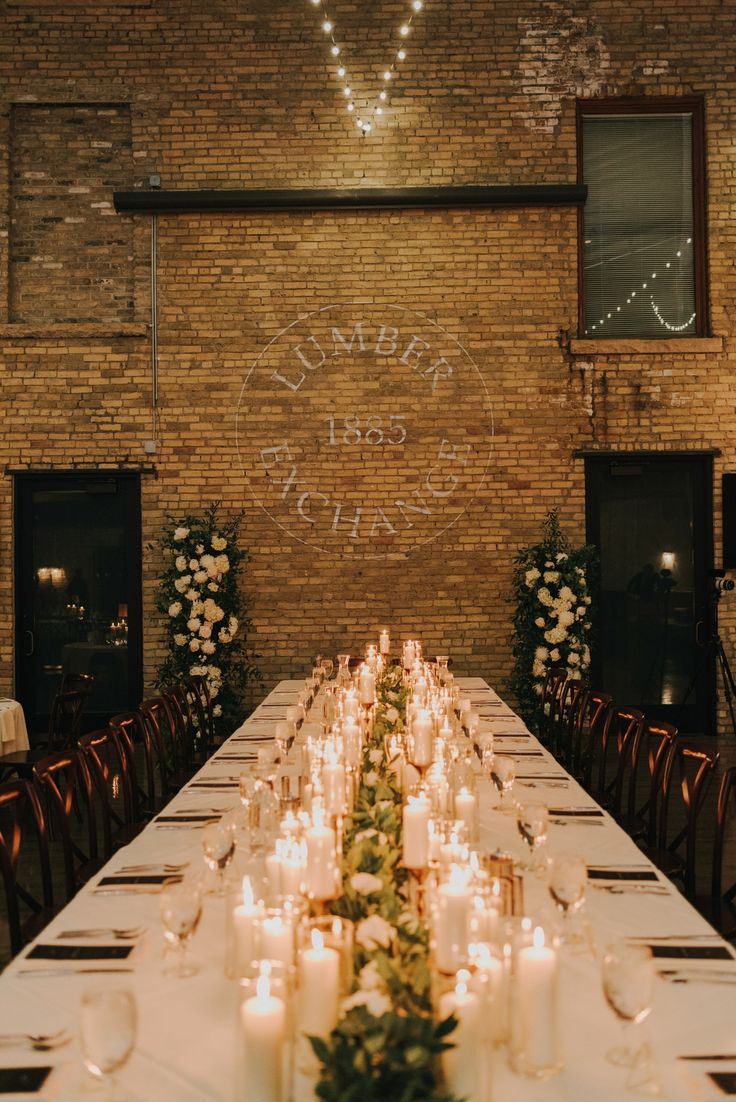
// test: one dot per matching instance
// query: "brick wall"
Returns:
(227, 94)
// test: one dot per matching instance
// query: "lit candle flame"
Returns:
(538, 937)
(318, 939)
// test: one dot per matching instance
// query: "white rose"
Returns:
(205, 631)
(374, 933)
(392, 714)
(541, 654)
(194, 624)
(369, 978)
(217, 710)
(545, 597)
(566, 618)
(213, 587)
(580, 612)
(371, 779)
(551, 576)
(587, 600)
(200, 577)
(554, 655)
(538, 668)
(182, 583)
(207, 562)
(181, 533)
(531, 576)
(212, 611)
(194, 564)
(194, 644)
(199, 548)
(376, 756)
(375, 1002)
(540, 621)
(175, 609)
(208, 647)
(573, 659)
(561, 556)
(363, 834)
(223, 636)
(192, 594)
(223, 564)
(567, 595)
(219, 543)
(365, 884)
(232, 625)
(197, 608)
(180, 639)
(549, 564)
(181, 562)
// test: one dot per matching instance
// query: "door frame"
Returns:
(59, 479)
(705, 549)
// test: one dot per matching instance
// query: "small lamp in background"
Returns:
(668, 560)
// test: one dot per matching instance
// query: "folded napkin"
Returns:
(152, 879)
(186, 818)
(23, 1080)
(724, 1080)
(80, 952)
(581, 812)
(214, 784)
(622, 874)
(691, 952)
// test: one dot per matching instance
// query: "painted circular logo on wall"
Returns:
(364, 428)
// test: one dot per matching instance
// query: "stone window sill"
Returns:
(630, 345)
(14, 331)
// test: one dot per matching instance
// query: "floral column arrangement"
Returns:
(553, 618)
(200, 597)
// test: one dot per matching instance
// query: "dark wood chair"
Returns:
(24, 841)
(77, 682)
(161, 732)
(191, 749)
(718, 905)
(652, 745)
(199, 690)
(63, 733)
(587, 735)
(573, 702)
(135, 742)
(687, 771)
(64, 780)
(618, 738)
(108, 767)
(549, 703)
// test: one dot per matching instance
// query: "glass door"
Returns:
(78, 591)
(651, 518)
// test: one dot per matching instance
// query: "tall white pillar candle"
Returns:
(245, 918)
(277, 940)
(423, 741)
(321, 858)
(534, 1041)
(263, 1022)
(384, 643)
(463, 1063)
(416, 818)
(453, 920)
(489, 983)
(319, 987)
(333, 783)
(465, 811)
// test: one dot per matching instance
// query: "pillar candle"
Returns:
(465, 811)
(384, 643)
(463, 1063)
(417, 814)
(277, 939)
(273, 872)
(321, 858)
(534, 1020)
(333, 783)
(490, 985)
(245, 919)
(422, 739)
(351, 740)
(319, 987)
(453, 920)
(367, 685)
(263, 1022)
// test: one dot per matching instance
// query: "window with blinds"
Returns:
(640, 224)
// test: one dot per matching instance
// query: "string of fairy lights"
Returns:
(365, 120)
(655, 307)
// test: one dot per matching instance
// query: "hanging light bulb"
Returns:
(341, 71)
(417, 5)
(335, 50)
(401, 55)
(379, 110)
(387, 74)
(346, 91)
(351, 107)
(382, 94)
(327, 26)
(404, 30)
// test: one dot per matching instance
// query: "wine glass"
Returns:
(568, 877)
(108, 1021)
(532, 820)
(327, 667)
(628, 985)
(180, 906)
(218, 847)
(503, 773)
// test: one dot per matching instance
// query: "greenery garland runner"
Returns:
(206, 621)
(554, 613)
(387, 1043)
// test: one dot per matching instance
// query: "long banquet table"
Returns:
(187, 1027)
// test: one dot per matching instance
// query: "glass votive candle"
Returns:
(276, 930)
(264, 1033)
(490, 981)
(534, 1017)
(243, 911)
(452, 908)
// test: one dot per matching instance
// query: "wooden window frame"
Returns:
(655, 105)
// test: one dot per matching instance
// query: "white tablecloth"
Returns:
(13, 733)
(187, 1031)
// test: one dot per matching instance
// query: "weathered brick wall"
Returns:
(226, 93)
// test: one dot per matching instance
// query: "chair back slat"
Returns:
(65, 780)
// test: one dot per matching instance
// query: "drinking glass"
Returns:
(108, 1021)
(218, 846)
(180, 905)
(568, 877)
(532, 820)
(628, 985)
(504, 771)
(343, 673)
(327, 666)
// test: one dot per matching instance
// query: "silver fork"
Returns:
(153, 865)
(122, 934)
(41, 1042)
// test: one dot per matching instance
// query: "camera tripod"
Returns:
(713, 651)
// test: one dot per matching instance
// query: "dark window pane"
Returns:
(638, 247)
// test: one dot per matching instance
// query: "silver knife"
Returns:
(46, 972)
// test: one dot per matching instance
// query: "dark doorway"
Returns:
(78, 591)
(651, 518)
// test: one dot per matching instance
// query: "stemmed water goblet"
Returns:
(108, 1023)
(503, 773)
(218, 847)
(628, 985)
(568, 878)
(327, 667)
(532, 820)
(180, 906)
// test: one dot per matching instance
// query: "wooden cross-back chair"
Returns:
(23, 826)
(64, 780)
